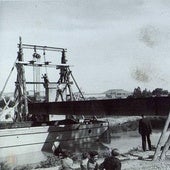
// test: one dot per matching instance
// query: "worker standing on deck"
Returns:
(145, 129)
(46, 81)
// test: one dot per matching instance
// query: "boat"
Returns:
(31, 130)
(33, 121)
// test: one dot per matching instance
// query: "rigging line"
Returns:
(6, 105)
(34, 70)
(45, 60)
(76, 84)
(33, 78)
(9, 110)
(8, 78)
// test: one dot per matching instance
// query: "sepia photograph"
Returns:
(84, 84)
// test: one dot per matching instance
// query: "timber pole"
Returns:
(165, 149)
(161, 138)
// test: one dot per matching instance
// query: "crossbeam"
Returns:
(30, 82)
(37, 64)
(39, 47)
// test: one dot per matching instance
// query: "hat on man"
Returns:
(115, 152)
(93, 153)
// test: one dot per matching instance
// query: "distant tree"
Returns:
(160, 92)
(165, 92)
(157, 92)
(137, 92)
(146, 93)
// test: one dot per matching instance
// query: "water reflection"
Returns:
(85, 147)
(124, 141)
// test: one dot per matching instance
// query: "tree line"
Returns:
(158, 92)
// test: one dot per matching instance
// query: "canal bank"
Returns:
(126, 139)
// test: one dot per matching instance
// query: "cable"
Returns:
(8, 78)
(45, 61)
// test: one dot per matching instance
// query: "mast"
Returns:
(64, 87)
(36, 73)
(64, 91)
(20, 95)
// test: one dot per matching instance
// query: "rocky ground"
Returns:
(135, 159)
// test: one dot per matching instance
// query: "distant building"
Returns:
(95, 96)
(117, 94)
(109, 94)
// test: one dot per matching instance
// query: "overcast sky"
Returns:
(113, 44)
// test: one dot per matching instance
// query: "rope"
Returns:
(76, 84)
(45, 60)
(8, 79)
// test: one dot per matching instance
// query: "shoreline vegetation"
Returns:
(117, 125)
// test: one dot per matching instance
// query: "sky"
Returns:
(112, 44)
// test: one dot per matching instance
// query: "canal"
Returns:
(124, 142)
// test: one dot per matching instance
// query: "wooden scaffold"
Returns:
(160, 154)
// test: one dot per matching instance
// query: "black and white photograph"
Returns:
(84, 84)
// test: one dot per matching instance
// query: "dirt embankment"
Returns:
(132, 124)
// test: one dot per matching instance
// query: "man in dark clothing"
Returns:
(145, 129)
(111, 162)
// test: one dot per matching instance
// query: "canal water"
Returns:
(124, 142)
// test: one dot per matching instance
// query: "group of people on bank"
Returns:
(89, 161)
(111, 162)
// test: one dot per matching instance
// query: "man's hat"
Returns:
(93, 153)
(115, 152)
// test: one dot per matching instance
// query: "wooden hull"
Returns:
(24, 140)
